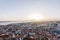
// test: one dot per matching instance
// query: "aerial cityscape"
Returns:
(29, 19)
(47, 30)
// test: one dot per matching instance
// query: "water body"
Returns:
(5, 23)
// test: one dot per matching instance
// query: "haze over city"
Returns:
(29, 19)
(17, 10)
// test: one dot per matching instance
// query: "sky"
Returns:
(17, 10)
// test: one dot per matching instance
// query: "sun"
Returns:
(35, 16)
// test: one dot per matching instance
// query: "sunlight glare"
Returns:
(35, 16)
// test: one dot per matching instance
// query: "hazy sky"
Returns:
(21, 9)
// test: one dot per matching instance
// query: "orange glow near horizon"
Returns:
(30, 17)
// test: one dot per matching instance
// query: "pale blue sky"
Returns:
(20, 9)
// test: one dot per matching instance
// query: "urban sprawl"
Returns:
(48, 30)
